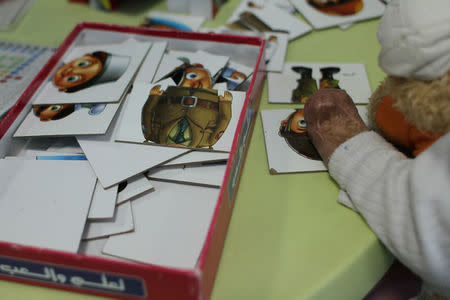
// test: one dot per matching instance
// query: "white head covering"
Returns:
(415, 38)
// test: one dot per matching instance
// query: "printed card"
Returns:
(175, 218)
(288, 147)
(191, 69)
(94, 74)
(322, 14)
(210, 175)
(122, 221)
(262, 18)
(300, 80)
(37, 208)
(181, 117)
(171, 21)
(68, 119)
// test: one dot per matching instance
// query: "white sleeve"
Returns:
(405, 201)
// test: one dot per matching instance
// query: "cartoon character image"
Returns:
(191, 75)
(337, 7)
(293, 129)
(59, 111)
(90, 69)
(306, 85)
(232, 77)
(327, 80)
(185, 116)
(165, 24)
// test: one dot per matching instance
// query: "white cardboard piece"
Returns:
(201, 174)
(94, 248)
(281, 157)
(136, 186)
(130, 129)
(352, 78)
(121, 222)
(106, 92)
(45, 203)
(103, 202)
(320, 20)
(151, 63)
(171, 225)
(196, 157)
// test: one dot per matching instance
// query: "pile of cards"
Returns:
(126, 152)
(268, 16)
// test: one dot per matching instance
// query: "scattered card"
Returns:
(103, 202)
(323, 14)
(171, 225)
(38, 202)
(121, 222)
(196, 157)
(209, 175)
(133, 187)
(288, 147)
(94, 74)
(300, 80)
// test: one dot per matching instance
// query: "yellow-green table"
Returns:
(288, 237)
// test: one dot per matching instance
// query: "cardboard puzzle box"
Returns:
(110, 198)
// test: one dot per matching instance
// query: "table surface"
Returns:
(288, 237)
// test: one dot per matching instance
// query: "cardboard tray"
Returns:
(129, 280)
